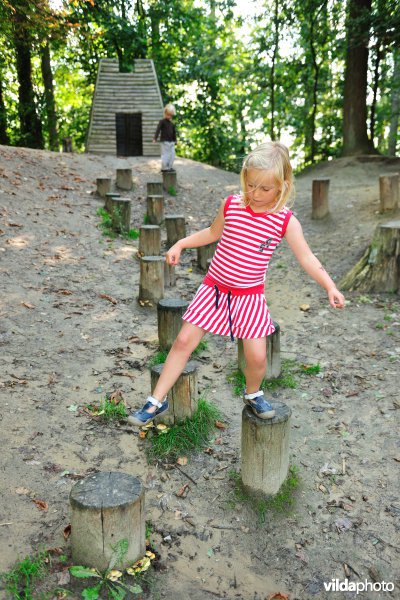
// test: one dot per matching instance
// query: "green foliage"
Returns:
(186, 437)
(161, 356)
(132, 234)
(171, 191)
(108, 410)
(21, 581)
(203, 345)
(286, 380)
(311, 369)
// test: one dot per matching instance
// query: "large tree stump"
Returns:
(120, 213)
(155, 209)
(103, 186)
(169, 182)
(106, 509)
(204, 253)
(151, 288)
(176, 228)
(124, 179)
(169, 317)
(389, 192)
(169, 275)
(150, 240)
(182, 398)
(320, 197)
(155, 188)
(67, 144)
(379, 268)
(273, 344)
(108, 196)
(265, 450)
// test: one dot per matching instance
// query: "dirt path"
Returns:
(63, 346)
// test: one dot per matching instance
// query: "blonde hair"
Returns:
(169, 109)
(270, 156)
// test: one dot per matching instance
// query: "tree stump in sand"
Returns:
(389, 192)
(320, 196)
(124, 179)
(204, 253)
(273, 343)
(106, 509)
(151, 287)
(155, 188)
(120, 213)
(176, 228)
(67, 144)
(169, 182)
(265, 450)
(103, 186)
(169, 275)
(379, 268)
(169, 317)
(108, 196)
(150, 240)
(155, 209)
(183, 395)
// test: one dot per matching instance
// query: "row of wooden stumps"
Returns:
(109, 507)
(388, 195)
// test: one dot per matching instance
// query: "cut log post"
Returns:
(273, 344)
(103, 186)
(106, 509)
(204, 253)
(150, 240)
(169, 317)
(208, 263)
(379, 268)
(124, 179)
(151, 287)
(182, 398)
(169, 275)
(320, 197)
(155, 209)
(107, 203)
(265, 450)
(67, 144)
(155, 188)
(389, 192)
(120, 213)
(170, 182)
(176, 228)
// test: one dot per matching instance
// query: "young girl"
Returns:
(231, 301)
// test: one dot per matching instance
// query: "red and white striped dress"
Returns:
(231, 300)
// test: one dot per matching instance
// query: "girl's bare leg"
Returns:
(187, 340)
(255, 353)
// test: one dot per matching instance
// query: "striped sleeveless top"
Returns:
(247, 243)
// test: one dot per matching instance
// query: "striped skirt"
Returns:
(243, 316)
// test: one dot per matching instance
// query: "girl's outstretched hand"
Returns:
(336, 299)
(173, 255)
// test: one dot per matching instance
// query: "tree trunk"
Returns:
(4, 139)
(375, 87)
(47, 77)
(355, 136)
(272, 72)
(395, 104)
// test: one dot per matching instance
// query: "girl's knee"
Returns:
(183, 342)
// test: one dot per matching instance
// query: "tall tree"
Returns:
(395, 104)
(4, 138)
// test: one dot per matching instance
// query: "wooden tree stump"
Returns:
(389, 192)
(273, 343)
(103, 186)
(182, 398)
(379, 268)
(170, 182)
(151, 288)
(107, 508)
(169, 317)
(320, 196)
(155, 209)
(169, 275)
(67, 144)
(124, 179)
(155, 188)
(204, 253)
(150, 240)
(265, 450)
(120, 212)
(176, 228)
(107, 203)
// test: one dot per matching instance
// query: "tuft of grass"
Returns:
(203, 345)
(21, 581)
(282, 502)
(286, 380)
(132, 234)
(186, 437)
(311, 369)
(146, 219)
(171, 190)
(379, 326)
(108, 411)
(106, 223)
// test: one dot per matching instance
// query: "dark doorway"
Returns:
(129, 134)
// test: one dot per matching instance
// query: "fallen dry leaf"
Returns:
(220, 425)
(67, 531)
(278, 596)
(109, 298)
(41, 504)
(142, 434)
(116, 397)
(304, 307)
(183, 491)
(182, 461)
(28, 305)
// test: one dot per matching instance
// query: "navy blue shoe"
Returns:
(259, 405)
(143, 416)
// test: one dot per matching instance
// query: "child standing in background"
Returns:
(167, 131)
(231, 301)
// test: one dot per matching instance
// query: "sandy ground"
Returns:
(62, 345)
